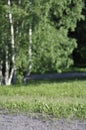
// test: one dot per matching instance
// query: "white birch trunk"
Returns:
(9, 76)
(30, 44)
(29, 55)
(6, 67)
(30, 50)
(19, 2)
(1, 76)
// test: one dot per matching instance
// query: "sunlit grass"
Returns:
(60, 99)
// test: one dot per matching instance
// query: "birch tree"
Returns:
(30, 50)
(9, 71)
(42, 42)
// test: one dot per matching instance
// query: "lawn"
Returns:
(62, 99)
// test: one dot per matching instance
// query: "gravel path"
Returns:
(26, 122)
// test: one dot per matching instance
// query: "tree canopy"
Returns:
(34, 36)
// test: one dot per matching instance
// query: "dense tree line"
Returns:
(34, 36)
(79, 54)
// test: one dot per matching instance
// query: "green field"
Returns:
(62, 99)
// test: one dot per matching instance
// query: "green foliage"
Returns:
(52, 48)
(51, 22)
(64, 13)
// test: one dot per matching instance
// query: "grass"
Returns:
(62, 99)
(76, 69)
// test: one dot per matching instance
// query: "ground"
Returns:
(31, 122)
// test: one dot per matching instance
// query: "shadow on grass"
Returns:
(47, 81)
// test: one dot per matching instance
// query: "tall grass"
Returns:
(60, 99)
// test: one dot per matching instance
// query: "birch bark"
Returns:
(1, 76)
(9, 75)
(30, 44)
(30, 50)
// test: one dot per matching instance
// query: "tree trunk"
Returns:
(6, 67)
(30, 50)
(1, 76)
(29, 55)
(9, 75)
